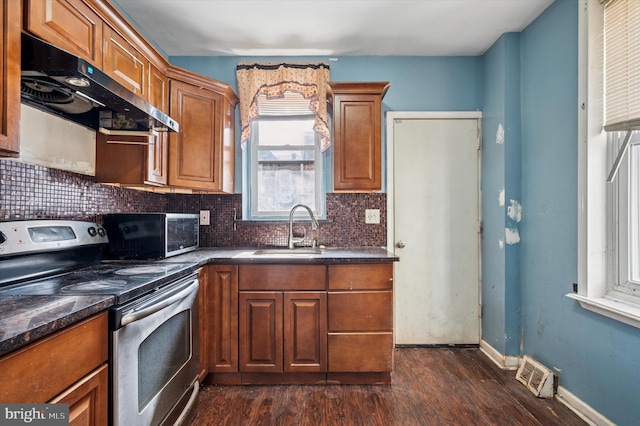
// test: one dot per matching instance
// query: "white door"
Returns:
(433, 182)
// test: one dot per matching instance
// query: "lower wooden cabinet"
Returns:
(261, 332)
(283, 332)
(69, 366)
(221, 308)
(360, 300)
(299, 323)
(87, 398)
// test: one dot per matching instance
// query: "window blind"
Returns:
(622, 64)
(289, 104)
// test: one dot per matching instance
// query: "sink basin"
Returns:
(286, 252)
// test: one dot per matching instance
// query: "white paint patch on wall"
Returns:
(500, 134)
(501, 243)
(512, 236)
(501, 197)
(515, 211)
(50, 141)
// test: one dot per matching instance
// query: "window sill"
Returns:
(614, 309)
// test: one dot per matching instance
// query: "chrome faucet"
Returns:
(314, 224)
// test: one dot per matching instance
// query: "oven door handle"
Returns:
(193, 399)
(156, 305)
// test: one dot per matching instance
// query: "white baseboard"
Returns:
(575, 404)
(502, 361)
(581, 408)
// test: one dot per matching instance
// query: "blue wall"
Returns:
(417, 83)
(598, 359)
(528, 82)
(501, 169)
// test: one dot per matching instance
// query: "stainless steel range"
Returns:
(153, 325)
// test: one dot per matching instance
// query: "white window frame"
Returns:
(596, 246)
(250, 166)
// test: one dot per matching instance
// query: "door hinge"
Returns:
(480, 229)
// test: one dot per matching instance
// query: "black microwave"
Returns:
(150, 235)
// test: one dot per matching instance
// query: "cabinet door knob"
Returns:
(400, 244)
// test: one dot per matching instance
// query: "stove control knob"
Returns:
(102, 232)
(92, 231)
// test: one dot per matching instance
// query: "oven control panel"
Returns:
(25, 236)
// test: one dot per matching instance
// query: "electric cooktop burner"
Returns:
(94, 285)
(125, 281)
(140, 270)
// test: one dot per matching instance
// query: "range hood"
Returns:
(60, 83)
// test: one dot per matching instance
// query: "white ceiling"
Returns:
(329, 27)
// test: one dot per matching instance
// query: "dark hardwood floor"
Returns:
(430, 386)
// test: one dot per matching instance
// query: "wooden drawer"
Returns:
(360, 352)
(361, 311)
(362, 276)
(40, 371)
(282, 277)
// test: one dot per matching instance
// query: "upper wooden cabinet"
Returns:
(201, 155)
(10, 78)
(357, 123)
(158, 89)
(68, 24)
(199, 158)
(124, 63)
(145, 162)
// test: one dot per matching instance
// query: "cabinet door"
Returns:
(158, 89)
(305, 332)
(157, 156)
(121, 159)
(68, 24)
(261, 332)
(10, 78)
(222, 318)
(357, 122)
(195, 153)
(125, 64)
(157, 160)
(88, 399)
(203, 321)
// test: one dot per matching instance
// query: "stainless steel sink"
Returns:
(286, 252)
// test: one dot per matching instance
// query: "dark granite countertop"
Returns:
(246, 255)
(25, 319)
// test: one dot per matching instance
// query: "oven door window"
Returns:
(161, 355)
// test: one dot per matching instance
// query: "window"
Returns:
(286, 166)
(609, 160)
(285, 131)
(623, 201)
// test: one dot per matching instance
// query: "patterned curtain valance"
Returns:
(272, 80)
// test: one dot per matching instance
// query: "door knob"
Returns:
(400, 244)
